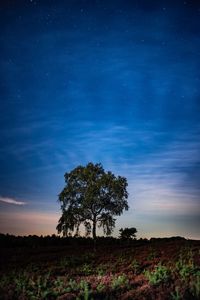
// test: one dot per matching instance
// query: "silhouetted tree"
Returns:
(128, 233)
(91, 197)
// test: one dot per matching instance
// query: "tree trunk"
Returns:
(94, 228)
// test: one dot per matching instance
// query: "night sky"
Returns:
(116, 82)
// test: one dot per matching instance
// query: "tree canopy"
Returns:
(91, 197)
(128, 233)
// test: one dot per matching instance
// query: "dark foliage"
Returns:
(91, 197)
(128, 233)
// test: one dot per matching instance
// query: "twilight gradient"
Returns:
(115, 82)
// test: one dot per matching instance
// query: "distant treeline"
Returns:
(7, 240)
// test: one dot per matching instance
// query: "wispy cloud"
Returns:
(11, 201)
(164, 181)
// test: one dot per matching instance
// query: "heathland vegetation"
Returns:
(70, 268)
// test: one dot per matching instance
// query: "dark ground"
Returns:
(71, 268)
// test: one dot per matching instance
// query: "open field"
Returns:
(72, 269)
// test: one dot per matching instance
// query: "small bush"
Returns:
(185, 269)
(160, 274)
(195, 285)
(135, 266)
(120, 281)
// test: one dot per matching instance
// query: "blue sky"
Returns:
(115, 82)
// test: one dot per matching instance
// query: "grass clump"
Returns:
(120, 281)
(159, 275)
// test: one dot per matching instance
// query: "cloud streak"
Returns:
(11, 201)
